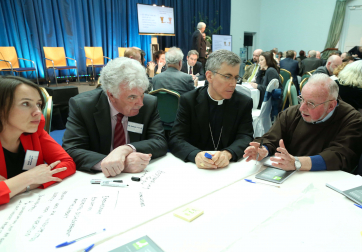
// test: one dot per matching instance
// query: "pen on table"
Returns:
(81, 238)
(260, 146)
(250, 181)
(88, 248)
(358, 205)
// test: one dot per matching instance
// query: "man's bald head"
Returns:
(332, 63)
(318, 54)
(256, 55)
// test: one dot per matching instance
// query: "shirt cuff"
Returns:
(318, 163)
(97, 166)
(267, 150)
(133, 148)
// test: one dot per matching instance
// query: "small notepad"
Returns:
(188, 213)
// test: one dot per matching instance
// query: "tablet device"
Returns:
(275, 175)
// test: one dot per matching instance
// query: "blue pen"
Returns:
(89, 248)
(250, 181)
(81, 238)
(207, 155)
(358, 205)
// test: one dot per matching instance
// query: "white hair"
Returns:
(324, 80)
(174, 56)
(312, 54)
(201, 25)
(351, 75)
(218, 57)
(124, 72)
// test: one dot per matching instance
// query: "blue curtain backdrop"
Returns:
(29, 25)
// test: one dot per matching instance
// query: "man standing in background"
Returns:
(198, 42)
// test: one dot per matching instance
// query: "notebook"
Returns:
(351, 188)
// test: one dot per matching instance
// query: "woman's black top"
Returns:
(14, 161)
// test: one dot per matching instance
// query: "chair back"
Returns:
(56, 54)
(94, 53)
(243, 90)
(263, 123)
(286, 94)
(286, 76)
(166, 49)
(8, 53)
(293, 95)
(167, 105)
(248, 63)
(303, 82)
(311, 72)
(281, 78)
(47, 110)
(121, 51)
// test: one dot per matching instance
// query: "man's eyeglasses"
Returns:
(228, 77)
(310, 105)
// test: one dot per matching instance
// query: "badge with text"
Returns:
(31, 158)
(135, 127)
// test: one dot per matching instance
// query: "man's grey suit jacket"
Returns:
(173, 79)
(87, 137)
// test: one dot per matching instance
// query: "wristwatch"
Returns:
(297, 164)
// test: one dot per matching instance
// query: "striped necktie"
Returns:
(119, 137)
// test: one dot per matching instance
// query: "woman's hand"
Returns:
(43, 173)
(159, 67)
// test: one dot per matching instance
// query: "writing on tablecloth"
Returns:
(148, 179)
(61, 211)
(142, 201)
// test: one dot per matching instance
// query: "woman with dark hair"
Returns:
(24, 144)
(160, 60)
(268, 70)
(301, 55)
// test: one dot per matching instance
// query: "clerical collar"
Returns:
(327, 116)
(219, 102)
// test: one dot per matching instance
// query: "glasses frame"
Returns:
(310, 105)
(228, 77)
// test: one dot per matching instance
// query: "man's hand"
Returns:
(159, 68)
(354, 55)
(196, 82)
(283, 159)
(114, 163)
(254, 85)
(252, 151)
(136, 162)
(222, 158)
(204, 163)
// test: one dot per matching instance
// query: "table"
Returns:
(237, 214)
(255, 94)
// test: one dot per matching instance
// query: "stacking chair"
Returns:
(166, 49)
(290, 95)
(9, 61)
(311, 72)
(286, 76)
(281, 78)
(303, 82)
(248, 63)
(55, 58)
(262, 123)
(121, 51)
(167, 105)
(286, 95)
(95, 58)
(47, 110)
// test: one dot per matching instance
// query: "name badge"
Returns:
(31, 158)
(135, 127)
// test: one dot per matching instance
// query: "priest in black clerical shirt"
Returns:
(214, 117)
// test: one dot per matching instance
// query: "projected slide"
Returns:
(155, 20)
(221, 42)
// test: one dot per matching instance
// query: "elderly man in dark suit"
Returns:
(115, 128)
(192, 66)
(292, 66)
(214, 117)
(332, 63)
(199, 43)
(173, 78)
(310, 63)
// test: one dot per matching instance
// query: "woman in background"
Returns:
(21, 134)
(160, 60)
(268, 70)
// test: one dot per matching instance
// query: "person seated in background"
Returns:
(338, 70)
(268, 71)
(348, 59)
(116, 127)
(280, 57)
(24, 144)
(322, 133)
(252, 70)
(214, 117)
(350, 84)
(173, 79)
(192, 66)
(332, 62)
(159, 62)
(292, 66)
(344, 55)
(311, 63)
(356, 52)
(301, 56)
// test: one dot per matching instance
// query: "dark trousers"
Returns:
(203, 61)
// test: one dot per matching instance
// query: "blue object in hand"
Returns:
(207, 155)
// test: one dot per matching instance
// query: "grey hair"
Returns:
(332, 58)
(193, 52)
(218, 57)
(312, 54)
(351, 75)
(174, 55)
(201, 25)
(124, 72)
(322, 79)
